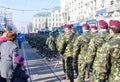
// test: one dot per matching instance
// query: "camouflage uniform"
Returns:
(69, 57)
(79, 50)
(110, 60)
(65, 49)
(93, 50)
(62, 44)
(50, 42)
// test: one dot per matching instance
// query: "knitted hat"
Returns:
(19, 59)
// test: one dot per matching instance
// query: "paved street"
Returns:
(40, 69)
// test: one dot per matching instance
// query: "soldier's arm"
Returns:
(104, 62)
(47, 41)
(76, 49)
(91, 53)
(61, 45)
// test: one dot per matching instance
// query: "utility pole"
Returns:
(5, 18)
(46, 18)
(67, 13)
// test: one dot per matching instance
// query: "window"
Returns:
(42, 19)
(112, 2)
(35, 25)
(59, 24)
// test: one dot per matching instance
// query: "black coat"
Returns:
(20, 75)
(2, 79)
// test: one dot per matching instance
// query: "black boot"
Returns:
(71, 80)
(102, 80)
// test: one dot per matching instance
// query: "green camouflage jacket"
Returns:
(80, 46)
(50, 42)
(69, 48)
(95, 44)
(62, 44)
(110, 60)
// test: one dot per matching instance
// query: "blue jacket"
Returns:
(20, 37)
(20, 75)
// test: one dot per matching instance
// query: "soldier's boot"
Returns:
(102, 80)
(71, 80)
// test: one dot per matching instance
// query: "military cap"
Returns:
(94, 27)
(85, 25)
(73, 29)
(103, 23)
(114, 23)
(67, 26)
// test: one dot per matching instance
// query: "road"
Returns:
(39, 68)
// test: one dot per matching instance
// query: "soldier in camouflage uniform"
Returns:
(94, 29)
(80, 50)
(110, 55)
(51, 43)
(76, 63)
(94, 46)
(65, 49)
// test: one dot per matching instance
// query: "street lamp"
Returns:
(5, 18)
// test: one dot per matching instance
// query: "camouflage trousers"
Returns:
(93, 77)
(114, 78)
(69, 67)
(81, 71)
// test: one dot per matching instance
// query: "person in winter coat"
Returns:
(3, 38)
(8, 49)
(19, 72)
(20, 38)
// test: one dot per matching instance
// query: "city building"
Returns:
(74, 11)
(108, 9)
(5, 17)
(47, 20)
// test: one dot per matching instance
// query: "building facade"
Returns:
(5, 17)
(76, 10)
(46, 20)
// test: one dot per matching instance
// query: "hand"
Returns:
(86, 74)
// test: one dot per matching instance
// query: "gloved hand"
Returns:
(102, 80)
